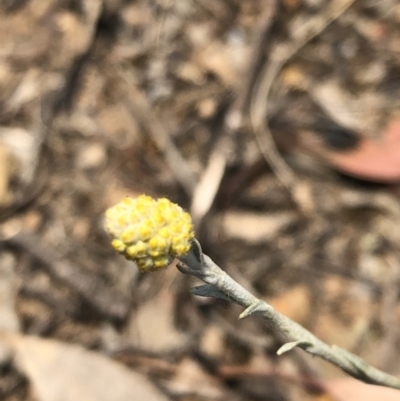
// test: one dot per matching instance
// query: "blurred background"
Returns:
(275, 123)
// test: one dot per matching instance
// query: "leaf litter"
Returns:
(101, 99)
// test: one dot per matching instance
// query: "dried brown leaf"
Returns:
(354, 390)
(61, 372)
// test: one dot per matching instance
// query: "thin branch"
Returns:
(93, 290)
(279, 56)
(142, 111)
(221, 285)
(209, 183)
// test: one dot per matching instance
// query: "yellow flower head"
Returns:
(148, 231)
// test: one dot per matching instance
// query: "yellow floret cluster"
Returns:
(148, 231)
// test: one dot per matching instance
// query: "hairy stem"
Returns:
(221, 285)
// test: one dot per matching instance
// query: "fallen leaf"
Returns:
(374, 159)
(294, 303)
(354, 390)
(254, 227)
(153, 328)
(61, 372)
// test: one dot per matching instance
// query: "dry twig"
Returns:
(266, 76)
(93, 291)
(141, 109)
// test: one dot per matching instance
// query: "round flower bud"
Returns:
(148, 231)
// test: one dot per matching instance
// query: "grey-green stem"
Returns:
(221, 285)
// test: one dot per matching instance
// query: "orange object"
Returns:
(375, 160)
